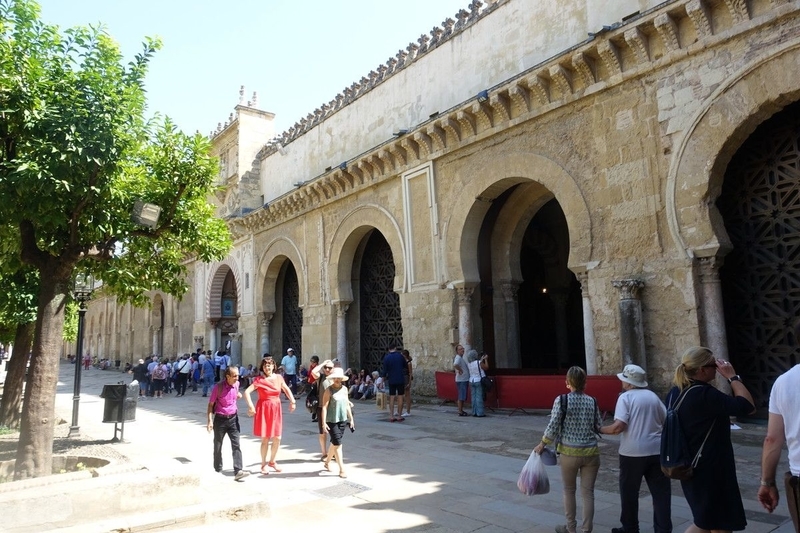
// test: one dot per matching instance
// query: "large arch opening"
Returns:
(378, 305)
(290, 315)
(760, 206)
(531, 311)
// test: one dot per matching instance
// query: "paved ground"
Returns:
(435, 472)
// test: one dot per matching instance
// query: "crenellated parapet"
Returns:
(629, 49)
(404, 58)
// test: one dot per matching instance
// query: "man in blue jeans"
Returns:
(393, 364)
(289, 365)
(223, 419)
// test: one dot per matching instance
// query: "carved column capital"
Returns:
(628, 288)
(510, 290)
(464, 295)
(708, 269)
(213, 323)
(265, 318)
(583, 279)
(341, 308)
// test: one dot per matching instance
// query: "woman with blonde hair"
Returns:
(574, 424)
(704, 413)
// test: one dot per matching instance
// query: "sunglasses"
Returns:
(327, 368)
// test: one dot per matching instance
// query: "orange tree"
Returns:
(76, 152)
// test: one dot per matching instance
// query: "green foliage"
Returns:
(76, 153)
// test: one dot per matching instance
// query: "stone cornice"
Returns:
(640, 45)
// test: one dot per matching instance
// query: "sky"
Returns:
(296, 54)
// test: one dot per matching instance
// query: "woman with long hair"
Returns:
(574, 424)
(704, 413)
(268, 423)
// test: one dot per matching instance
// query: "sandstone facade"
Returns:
(544, 174)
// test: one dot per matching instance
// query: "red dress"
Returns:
(269, 417)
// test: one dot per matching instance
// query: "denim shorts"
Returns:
(463, 387)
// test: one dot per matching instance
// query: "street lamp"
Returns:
(82, 291)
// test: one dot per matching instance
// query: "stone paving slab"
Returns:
(434, 472)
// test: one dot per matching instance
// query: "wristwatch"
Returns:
(737, 377)
(767, 483)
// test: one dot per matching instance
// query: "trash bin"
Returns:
(120, 403)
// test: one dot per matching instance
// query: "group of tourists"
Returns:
(334, 413)
(704, 415)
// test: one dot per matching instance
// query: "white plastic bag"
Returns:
(533, 478)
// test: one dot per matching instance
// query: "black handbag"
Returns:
(486, 382)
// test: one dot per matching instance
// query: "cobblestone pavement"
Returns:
(433, 472)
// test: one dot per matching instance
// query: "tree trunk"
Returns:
(35, 449)
(15, 378)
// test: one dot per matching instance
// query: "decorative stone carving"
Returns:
(483, 115)
(582, 66)
(610, 56)
(628, 288)
(452, 127)
(561, 79)
(637, 41)
(738, 9)
(668, 31)
(467, 122)
(539, 88)
(519, 98)
(700, 18)
(500, 106)
(464, 295)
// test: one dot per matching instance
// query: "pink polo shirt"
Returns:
(226, 400)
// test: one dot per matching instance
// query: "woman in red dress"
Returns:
(268, 421)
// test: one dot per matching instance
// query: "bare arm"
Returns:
(773, 444)
(251, 410)
(288, 392)
(614, 429)
(326, 398)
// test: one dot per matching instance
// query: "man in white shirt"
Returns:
(462, 379)
(183, 367)
(638, 416)
(783, 427)
(289, 365)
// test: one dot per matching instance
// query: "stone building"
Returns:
(554, 182)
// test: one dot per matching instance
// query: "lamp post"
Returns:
(82, 291)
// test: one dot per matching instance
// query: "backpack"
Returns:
(159, 372)
(676, 462)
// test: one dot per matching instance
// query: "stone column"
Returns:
(265, 320)
(631, 332)
(464, 295)
(236, 348)
(341, 332)
(212, 344)
(713, 313)
(588, 325)
(156, 351)
(513, 359)
(560, 298)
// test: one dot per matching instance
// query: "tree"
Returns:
(75, 154)
(18, 289)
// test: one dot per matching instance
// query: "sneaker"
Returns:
(240, 475)
(406, 414)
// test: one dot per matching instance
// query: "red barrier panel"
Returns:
(533, 391)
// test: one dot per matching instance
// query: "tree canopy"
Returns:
(76, 153)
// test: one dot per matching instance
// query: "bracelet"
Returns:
(737, 377)
(767, 483)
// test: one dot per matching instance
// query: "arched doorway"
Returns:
(380, 321)
(531, 310)
(290, 312)
(760, 206)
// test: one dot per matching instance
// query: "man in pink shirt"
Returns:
(224, 420)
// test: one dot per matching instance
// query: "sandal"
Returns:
(273, 465)
(327, 465)
(264, 470)
(401, 419)
(463, 413)
(392, 419)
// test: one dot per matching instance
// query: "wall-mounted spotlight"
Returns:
(483, 96)
(400, 133)
(298, 184)
(434, 114)
(343, 165)
(281, 149)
